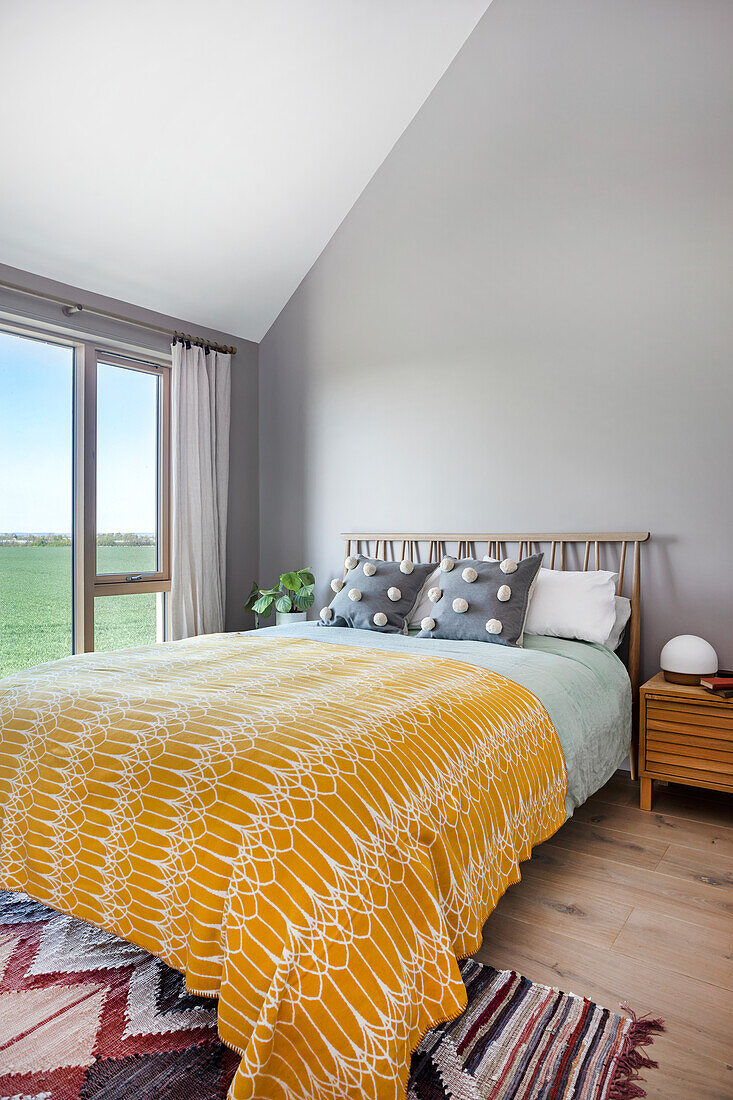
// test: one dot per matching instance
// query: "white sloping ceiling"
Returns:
(196, 157)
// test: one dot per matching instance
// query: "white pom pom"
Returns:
(447, 564)
(487, 557)
(380, 619)
(406, 566)
(504, 593)
(434, 595)
(394, 594)
(354, 594)
(369, 568)
(469, 574)
(460, 605)
(493, 626)
(428, 623)
(351, 562)
(337, 584)
(508, 565)
(326, 613)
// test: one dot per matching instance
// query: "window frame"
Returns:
(87, 584)
(124, 583)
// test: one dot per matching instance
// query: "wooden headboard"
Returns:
(562, 551)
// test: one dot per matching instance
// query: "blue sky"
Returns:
(36, 441)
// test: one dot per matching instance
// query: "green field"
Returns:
(35, 604)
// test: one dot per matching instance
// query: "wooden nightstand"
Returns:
(685, 736)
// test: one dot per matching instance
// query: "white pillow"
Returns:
(566, 604)
(623, 614)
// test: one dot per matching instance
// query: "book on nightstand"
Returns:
(720, 685)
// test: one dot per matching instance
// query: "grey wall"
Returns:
(526, 321)
(243, 517)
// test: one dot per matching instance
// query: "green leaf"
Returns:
(307, 576)
(263, 606)
(304, 598)
(291, 581)
(284, 605)
(252, 598)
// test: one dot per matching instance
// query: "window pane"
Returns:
(127, 470)
(125, 558)
(36, 395)
(123, 621)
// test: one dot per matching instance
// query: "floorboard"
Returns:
(709, 870)
(560, 908)
(657, 826)
(681, 1077)
(677, 946)
(579, 836)
(706, 906)
(711, 807)
(627, 907)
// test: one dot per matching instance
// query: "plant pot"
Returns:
(285, 618)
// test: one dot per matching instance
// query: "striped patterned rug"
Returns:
(85, 1016)
(518, 1040)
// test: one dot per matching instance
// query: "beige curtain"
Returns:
(200, 481)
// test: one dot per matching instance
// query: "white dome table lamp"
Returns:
(686, 658)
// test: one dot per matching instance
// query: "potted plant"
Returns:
(290, 599)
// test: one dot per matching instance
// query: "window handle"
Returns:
(136, 577)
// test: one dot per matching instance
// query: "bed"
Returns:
(312, 825)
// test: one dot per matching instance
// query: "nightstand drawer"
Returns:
(689, 770)
(689, 753)
(689, 744)
(712, 721)
(660, 754)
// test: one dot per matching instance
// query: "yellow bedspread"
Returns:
(314, 832)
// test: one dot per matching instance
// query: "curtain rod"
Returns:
(69, 309)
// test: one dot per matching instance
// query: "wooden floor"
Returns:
(633, 907)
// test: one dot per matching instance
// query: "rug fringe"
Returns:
(640, 1034)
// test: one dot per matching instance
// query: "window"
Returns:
(128, 526)
(132, 555)
(84, 499)
(36, 501)
(122, 621)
